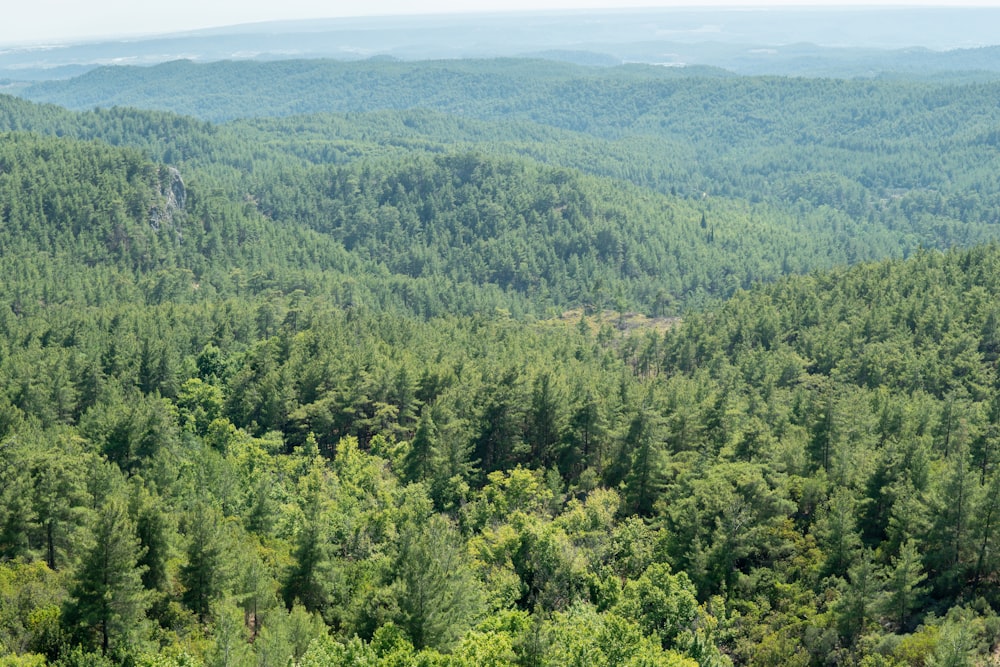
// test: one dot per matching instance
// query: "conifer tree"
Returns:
(986, 525)
(206, 573)
(231, 646)
(153, 527)
(59, 500)
(903, 589)
(108, 604)
(949, 537)
(645, 475)
(585, 435)
(544, 420)
(856, 607)
(438, 596)
(420, 457)
(836, 530)
(16, 510)
(303, 581)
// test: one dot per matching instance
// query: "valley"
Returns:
(498, 361)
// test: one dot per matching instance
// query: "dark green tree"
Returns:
(154, 529)
(644, 444)
(837, 531)
(418, 464)
(304, 581)
(855, 610)
(585, 438)
(545, 420)
(950, 546)
(207, 572)
(903, 586)
(108, 604)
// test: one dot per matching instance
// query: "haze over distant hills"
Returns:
(785, 41)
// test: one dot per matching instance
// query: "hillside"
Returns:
(892, 167)
(899, 154)
(260, 452)
(364, 387)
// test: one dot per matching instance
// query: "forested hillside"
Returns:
(780, 175)
(916, 157)
(367, 389)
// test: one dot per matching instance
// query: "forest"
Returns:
(611, 366)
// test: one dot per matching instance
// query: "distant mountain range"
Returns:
(838, 42)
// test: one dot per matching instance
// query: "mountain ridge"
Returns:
(741, 40)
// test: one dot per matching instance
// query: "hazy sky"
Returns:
(31, 21)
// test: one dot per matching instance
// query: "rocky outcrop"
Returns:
(172, 197)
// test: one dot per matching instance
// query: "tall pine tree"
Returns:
(108, 606)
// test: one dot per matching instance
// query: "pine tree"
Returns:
(304, 579)
(645, 475)
(419, 458)
(16, 510)
(153, 527)
(544, 421)
(585, 435)
(903, 588)
(206, 572)
(437, 594)
(986, 524)
(231, 646)
(498, 442)
(837, 531)
(108, 604)
(856, 606)
(949, 537)
(60, 499)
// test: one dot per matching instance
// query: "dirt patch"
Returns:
(626, 323)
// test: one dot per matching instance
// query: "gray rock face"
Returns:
(172, 198)
(175, 191)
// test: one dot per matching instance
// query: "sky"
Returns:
(53, 21)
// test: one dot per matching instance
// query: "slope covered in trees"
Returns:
(914, 157)
(804, 472)
(134, 384)
(569, 240)
(856, 128)
(290, 390)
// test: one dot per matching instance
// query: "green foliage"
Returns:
(903, 589)
(437, 594)
(661, 603)
(206, 574)
(108, 605)
(308, 397)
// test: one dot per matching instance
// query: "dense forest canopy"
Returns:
(821, 172)
(559, 366)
